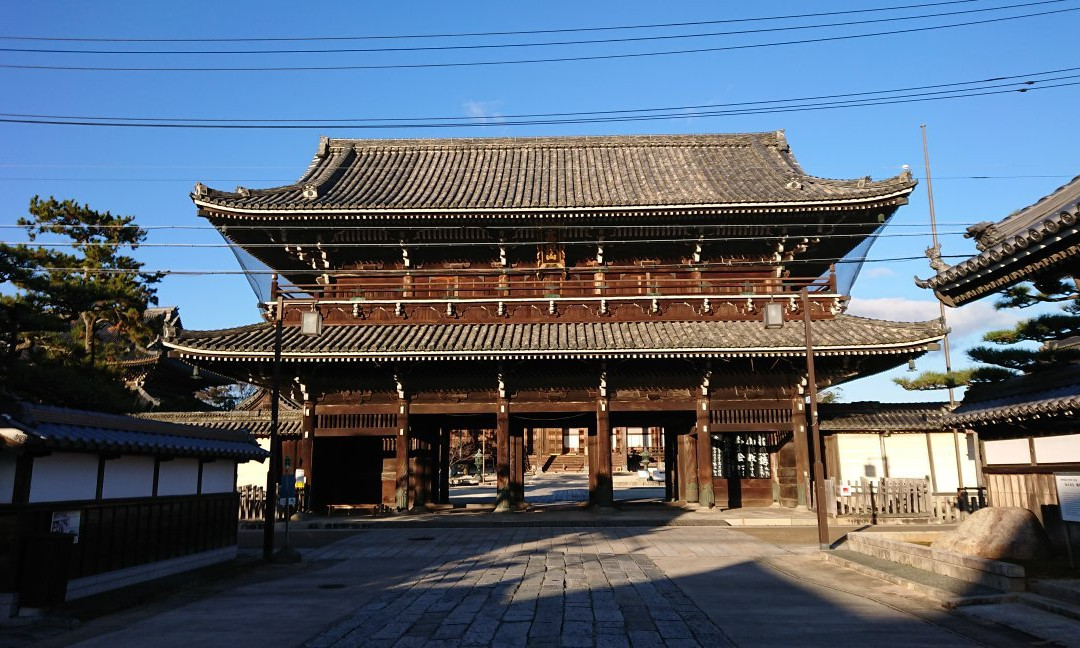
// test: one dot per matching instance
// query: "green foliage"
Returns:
(1010, 352)
(834, 395)
(69, 288)
(931, 380)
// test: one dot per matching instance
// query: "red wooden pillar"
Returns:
(517, 464)
(401, 457)
(802, 453)
(704, 454)
(601, 490)
(307, 452)
(502, 455)
(444, 465)
(688, 490)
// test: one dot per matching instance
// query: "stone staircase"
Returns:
(567, 463)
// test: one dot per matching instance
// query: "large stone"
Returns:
(998, 533)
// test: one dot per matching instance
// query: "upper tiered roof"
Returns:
(754, 171)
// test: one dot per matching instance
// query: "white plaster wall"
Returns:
(7, 478)
(1007, 451)
(64, 476)
(907, 456)
(860, 456)
(1058, 449)
(253, 473)
(178, 477)
(217, 476)
(945, 461)
(128, 477)
(971, 469)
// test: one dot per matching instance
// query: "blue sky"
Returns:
(990, 154)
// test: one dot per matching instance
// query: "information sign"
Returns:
(66, 522)
(1068, 488)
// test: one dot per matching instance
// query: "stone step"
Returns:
(950, 592)
(1048, 604)
(1064, 589)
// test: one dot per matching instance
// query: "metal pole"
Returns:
(941, 307)
(273, 472)
(818, 468)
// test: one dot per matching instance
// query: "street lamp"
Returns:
(311, 324)
(818, 474)
(774, 318)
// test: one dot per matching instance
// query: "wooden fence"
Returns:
(902, 498)
(253, 503)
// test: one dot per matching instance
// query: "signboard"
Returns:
(845, 490)
(1068, 488)
(66, 522)
(287, 491)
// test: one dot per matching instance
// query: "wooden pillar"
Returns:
(601, 490)
(670, 453)
(444, 465)
(704, 455)
(624, 452)
(517, 465)
(502, 455)
(802, 453)
(305, 461)
(401, 457)
(688, 490)
(930, 458)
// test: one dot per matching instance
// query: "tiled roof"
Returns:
(844, 335)
(553, 173)
(1035, 239)
(1045, 394)
(872, 416)
(255, 422)
(80, 431)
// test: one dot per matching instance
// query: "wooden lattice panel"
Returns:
(356, 424)
(751, 416)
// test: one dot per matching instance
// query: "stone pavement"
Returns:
(535, 586)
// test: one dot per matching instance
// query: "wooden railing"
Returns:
(635, 283)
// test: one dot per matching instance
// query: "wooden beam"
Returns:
(704, 455)
(802, 453)
(503, 498)
(307, 452)
(401, 457)
(688, 487)
(601, 490)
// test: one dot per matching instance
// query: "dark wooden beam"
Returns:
(602, 490)
(401, 457)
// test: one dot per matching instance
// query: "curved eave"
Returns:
(1011, 261)
(917, 346)
(890, 199)
(1050, 409)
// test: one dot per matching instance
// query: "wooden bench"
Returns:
(350, 509)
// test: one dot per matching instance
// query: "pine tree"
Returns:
(79, 281)
(1010, 353)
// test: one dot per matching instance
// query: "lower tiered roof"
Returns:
(843, 335)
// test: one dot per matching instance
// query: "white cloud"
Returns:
(483, 110)
(971, 320)
(879, 271)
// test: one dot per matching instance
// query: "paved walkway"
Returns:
(636, 586)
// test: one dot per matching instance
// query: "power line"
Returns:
(477, 34)
(681, 110)
(286, 181)
(331, 272)
(561, 59)
(597, 41)
(327, 245)
(919, 98)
